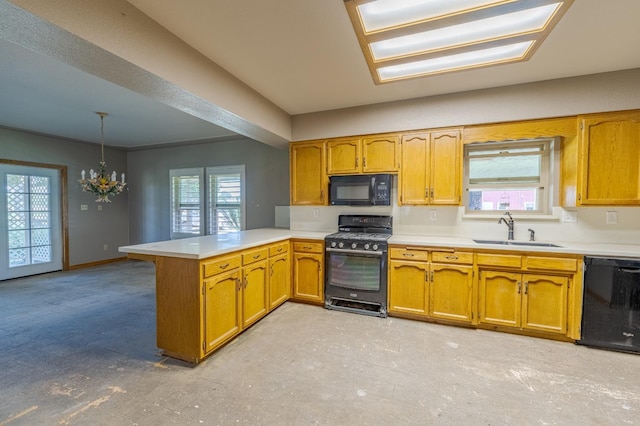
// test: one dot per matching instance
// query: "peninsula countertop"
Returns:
(214, 245)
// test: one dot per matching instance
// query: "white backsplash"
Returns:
(591, 225)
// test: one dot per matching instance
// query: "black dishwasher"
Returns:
(611, 305)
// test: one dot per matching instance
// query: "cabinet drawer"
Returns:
(306, 246)
(279, 248)
(255, 255)
(552, 263)
(509, 260)
(452, 257)
(408, 254)
(223, 264)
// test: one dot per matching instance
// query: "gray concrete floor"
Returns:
(79, 348)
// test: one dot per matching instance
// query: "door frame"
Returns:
(64, 215)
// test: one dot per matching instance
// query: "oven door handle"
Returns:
(376, 253)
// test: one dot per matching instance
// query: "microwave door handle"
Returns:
(372, 190)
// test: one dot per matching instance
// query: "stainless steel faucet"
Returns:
(509, 224)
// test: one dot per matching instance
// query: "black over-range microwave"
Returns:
(360, 190)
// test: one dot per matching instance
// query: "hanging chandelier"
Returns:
(100, 183)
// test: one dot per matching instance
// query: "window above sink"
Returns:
(514, 175)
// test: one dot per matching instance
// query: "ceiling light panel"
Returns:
(497, 27)
(381, 14)
(446, 35)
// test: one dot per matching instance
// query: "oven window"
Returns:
(354, 271)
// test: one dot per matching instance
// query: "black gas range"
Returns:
(356, 264)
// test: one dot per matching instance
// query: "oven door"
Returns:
(356, 275)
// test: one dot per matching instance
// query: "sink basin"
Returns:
(516, 243)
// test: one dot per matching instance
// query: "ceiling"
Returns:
(302, 55)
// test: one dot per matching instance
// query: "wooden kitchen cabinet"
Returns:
(307, 172)
(370, 154)
(430, 170)
(279, 275)
(431, 284)
(222, 309)
(609, 149)
(308, 271)
(408, 287)
(255, 286)
(532, 296)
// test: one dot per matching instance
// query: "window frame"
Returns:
(544, 189)
(205, 207)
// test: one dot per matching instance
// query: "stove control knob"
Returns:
(333, 244)
(375, 247)
(354, 245)
(341, 244)
(366, 246)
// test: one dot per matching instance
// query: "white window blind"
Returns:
(225, 199)
(187, 202)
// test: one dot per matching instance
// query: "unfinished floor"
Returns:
(79, 348)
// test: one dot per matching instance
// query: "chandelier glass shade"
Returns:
(100, 183)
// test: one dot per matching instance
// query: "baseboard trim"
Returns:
(99, 262)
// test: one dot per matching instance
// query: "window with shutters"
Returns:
(514, 176)
(214, 205)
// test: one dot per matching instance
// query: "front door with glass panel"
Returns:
(30, 213)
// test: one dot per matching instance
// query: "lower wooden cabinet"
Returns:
(279, 280)
(431, 289)
(254, 292)
(530, 294)
(308, 271)
(222, 309)
(527, 301)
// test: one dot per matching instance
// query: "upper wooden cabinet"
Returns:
(371, 154)
(430, 172)
(608, 153)
(308, 178)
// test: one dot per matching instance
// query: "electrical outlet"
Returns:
(569, 216)
(84, 207)
(612, 218)
(316, 213)
(434, 215)
(105, 247)
(99, 206)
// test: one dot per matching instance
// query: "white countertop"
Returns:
(214, 245)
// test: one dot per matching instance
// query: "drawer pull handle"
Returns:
(451, 257)
(306, 247)
(408, 254)
(279, 249)
(257, 256)
(224, 266)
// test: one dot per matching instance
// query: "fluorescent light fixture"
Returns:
(476, 58)
(436, 36)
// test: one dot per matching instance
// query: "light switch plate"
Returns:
(84, 207)
(612, 218)
(434, 214)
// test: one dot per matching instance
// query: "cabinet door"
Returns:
(609, 150)
(451, 292)
(408, 287)
(380, 154)
(255, 293)
(544, 304)
(279, 280)
(414, 175)
(308, 179)
(308, 277)
(445, 168)
(221, 309)
(343, 156)
(500, 298)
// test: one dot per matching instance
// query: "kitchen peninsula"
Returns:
(209, 289)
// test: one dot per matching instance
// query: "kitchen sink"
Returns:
(516, 243)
